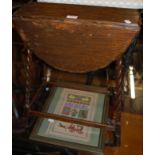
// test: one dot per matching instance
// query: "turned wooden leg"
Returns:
(118, 100)
(119, 84)
(28, 81)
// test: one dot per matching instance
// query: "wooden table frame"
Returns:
(60, 25)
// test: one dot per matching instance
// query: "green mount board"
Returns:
(76, 104)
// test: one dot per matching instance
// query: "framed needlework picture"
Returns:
(73, 103)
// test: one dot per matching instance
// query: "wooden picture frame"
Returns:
(68, 134)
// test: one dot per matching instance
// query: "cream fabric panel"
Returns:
(134, 4)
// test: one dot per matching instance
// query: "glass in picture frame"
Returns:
(91, 106)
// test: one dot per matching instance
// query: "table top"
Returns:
(96, 37)
(53, 10)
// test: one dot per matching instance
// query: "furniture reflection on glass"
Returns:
(75, 39)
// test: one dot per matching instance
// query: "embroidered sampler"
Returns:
(76, 104)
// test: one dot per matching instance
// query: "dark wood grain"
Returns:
(77, 86)
(71, 120)
(83, 12)
(81, 45)
(132, 136)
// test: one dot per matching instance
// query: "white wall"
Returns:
(110, 3)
